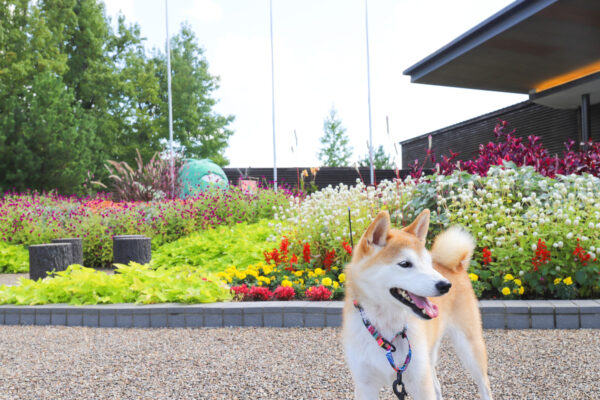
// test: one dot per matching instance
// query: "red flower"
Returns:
(487, 256)
(293, 260)
(283, 247)
(581, 254)
(240, 291)
(347, 247)
(306, 253)
(272, 256)
(318, 293)
(284, 293)
(542, 255)
(329, 256)
(259, 293)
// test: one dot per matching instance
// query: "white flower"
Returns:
(533, 247)
(521, 273)
(557, 268)
(569, 235)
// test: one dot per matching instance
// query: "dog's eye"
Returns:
(405, 264)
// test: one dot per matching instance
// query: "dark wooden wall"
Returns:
(326, 175)
(554, 126)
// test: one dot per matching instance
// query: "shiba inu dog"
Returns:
(389, 279)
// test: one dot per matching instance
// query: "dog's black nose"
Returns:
(443, 286)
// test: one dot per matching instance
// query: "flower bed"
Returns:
(32, 219)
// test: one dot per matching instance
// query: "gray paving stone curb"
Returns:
(496, 314)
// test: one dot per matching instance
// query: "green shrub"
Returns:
(213, 250)
(13, 258)
(134, 283)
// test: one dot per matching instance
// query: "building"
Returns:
(549, 49)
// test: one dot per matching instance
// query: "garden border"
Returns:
(496, 314)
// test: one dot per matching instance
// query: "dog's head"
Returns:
(393, 268)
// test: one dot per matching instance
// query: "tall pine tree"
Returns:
(335, 148)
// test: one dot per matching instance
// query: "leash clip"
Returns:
(401, 394)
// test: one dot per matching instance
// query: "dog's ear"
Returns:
(420, 226)
(377, 232)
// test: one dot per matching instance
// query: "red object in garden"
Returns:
(329, 256)
(542, 255)
(318, 293)
(284, 246)
(240, 291)
(581, 254)
(347, 247)
(284, 293)
(487, 256)
(306, 253)
(272, 256)
(293, 261)
(260, 293)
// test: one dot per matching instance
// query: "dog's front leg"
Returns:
(419, 379)
(366, 389)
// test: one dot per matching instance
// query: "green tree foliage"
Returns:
(335, 149)
(202, 132)
(381, 160)
(74, 92)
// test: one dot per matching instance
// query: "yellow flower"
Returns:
(473, 277)
(334, 268)
(316, 281)
(311, 274)
(568, 281)
(342, 278)
(336, 285)
(286, 283)
(326, 281)
(518, 282)
(508, 277)
(304, 174)
(319, 271)
(557, 281)
(240, 275)
(298, 273)
(505, 291)
(521, 290)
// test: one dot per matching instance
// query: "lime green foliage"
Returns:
(213, 250)
(13, 259)
(134, 283)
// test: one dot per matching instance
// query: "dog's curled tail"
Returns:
(453, 248)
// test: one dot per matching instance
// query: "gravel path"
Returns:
(267, 363)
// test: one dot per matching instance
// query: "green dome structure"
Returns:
(197, 176)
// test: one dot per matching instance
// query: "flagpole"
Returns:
(273, 97)
(369, 96)
(170, 101)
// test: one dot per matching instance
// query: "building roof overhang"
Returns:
(532, 47)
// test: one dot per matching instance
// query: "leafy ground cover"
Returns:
(133, 283)
(13, 258)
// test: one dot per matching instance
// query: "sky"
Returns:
(320, 63)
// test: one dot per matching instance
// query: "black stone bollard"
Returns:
(136, 248)
(77, 249)
(44, 258)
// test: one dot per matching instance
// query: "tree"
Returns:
(74, 93)
(196, 127)
(41, 145)
(335, 149)
(381, 160)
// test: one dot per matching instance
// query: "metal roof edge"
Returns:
(491, 114)
(497, 23)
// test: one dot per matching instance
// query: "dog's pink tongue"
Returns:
(423, 303)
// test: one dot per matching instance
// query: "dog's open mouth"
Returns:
(420, 305)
